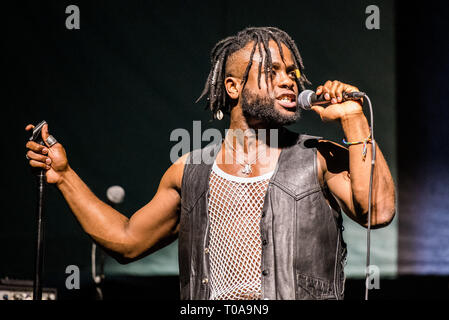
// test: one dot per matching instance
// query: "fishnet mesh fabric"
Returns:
(235, 242)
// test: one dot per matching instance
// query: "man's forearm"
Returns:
(104, 224)
(356, 128)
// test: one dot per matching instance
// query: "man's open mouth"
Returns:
(287, 100)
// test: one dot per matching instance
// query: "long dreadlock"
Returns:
(217, 98)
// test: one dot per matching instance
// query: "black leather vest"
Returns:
(303, 252)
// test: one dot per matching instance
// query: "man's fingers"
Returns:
(38, 157)
(328, 84)
(318, 109)
(36, 147)
(37, 153)
(333, 91)
(38, 164)
(350, 89)
(45, 134)
(339, 92)
(326, 89)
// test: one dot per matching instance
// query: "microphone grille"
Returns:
(304, 99)
(115, 194)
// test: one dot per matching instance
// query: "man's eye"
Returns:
(292, 74)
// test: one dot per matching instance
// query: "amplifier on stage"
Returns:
(12, 289)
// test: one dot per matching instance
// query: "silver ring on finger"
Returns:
(28, 158)
(51, 141)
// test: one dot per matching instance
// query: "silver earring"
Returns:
(219, 114)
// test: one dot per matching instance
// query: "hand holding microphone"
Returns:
(332, 101)
(308, 98)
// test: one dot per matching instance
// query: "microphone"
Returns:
(115, 195)
(308, 98)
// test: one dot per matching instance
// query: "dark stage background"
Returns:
(114, 90)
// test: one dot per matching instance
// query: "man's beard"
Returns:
(262, 108)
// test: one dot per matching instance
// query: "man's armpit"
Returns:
(336, 158)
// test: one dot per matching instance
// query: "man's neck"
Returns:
(248, 135)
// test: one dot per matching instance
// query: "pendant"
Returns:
(247, 169)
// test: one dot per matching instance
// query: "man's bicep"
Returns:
(340, 187)
(158, 220)
(336, 175)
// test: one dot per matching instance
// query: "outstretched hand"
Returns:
(52, 159)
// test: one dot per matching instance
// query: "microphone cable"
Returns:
(373, 161)
(305, 100)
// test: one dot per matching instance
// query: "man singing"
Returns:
(268, 223)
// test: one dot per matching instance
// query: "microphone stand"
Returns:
(98, 278)
(36, 136)
(37, 286)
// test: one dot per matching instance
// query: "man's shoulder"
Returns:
(175, 172)
(181, 161)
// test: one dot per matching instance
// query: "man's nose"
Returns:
(285, 81)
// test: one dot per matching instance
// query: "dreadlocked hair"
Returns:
(214, 89)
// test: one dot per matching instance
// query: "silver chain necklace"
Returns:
(247, 170)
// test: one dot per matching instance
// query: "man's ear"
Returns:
(233, 86)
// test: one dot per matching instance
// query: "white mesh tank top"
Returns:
(235, 206)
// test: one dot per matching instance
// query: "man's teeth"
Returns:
(286, 99)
